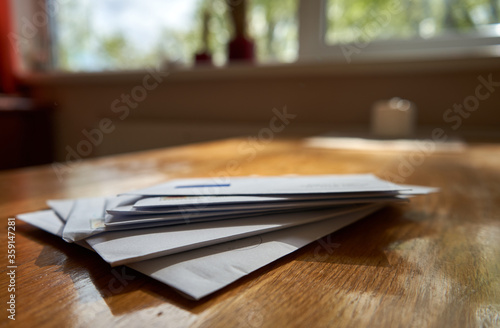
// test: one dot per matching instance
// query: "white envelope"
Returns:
(127, 246)
(201, 272)
(62, 207)
(271, 205)
(181, 217)
(125, 222)
(87, 216)
(85, 219)
(160, 220)
(46, 220)
(153, 224)
(195, 202)
(412, 190)
(286, 185)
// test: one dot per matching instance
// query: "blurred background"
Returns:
(83, 78)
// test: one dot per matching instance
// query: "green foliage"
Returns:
(351, 21)
(274, 26)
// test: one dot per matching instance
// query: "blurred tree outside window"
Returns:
(351, 21)
(132, 34)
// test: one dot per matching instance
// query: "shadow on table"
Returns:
(363, 242)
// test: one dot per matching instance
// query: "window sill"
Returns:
(367, 65)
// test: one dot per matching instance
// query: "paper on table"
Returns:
(87, 216)
(127, 246)
(197, 273)
(137, 210)
(46, 220)
(320, 184)
(149, 216)
(201, 272)
(153, 224)
(195, 202)
(62, 207)
(159, 221)
(295, 204)
(412, 190)
(79, 223)
(184, 217)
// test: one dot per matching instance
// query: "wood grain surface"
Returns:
(432, 263)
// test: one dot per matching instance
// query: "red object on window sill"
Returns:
(203, 59)
(241, 49)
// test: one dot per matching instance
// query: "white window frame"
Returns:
(313, 47)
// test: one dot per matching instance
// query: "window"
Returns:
(86, 35)
(398, 28)
(89, 35)
(123, 34)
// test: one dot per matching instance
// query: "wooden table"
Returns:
(433, 263)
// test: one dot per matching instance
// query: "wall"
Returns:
(204, 104)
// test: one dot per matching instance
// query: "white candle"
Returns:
(394, 118)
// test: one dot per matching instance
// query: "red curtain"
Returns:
(7, 52)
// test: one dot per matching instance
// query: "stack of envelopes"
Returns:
(199, 235)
